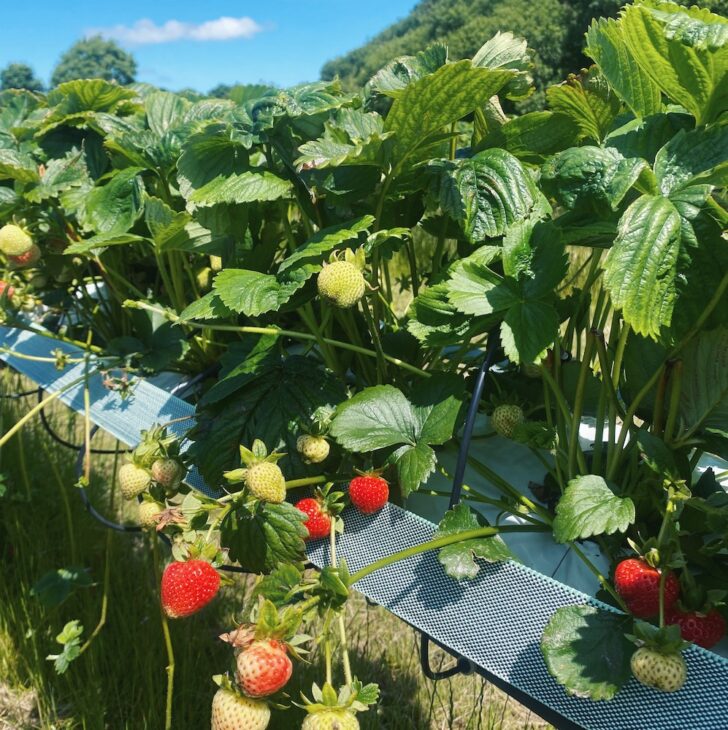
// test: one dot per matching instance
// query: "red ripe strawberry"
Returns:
(5, 288)
(263, 668)
(639, 584)
(368, 493)
(188, 587)
(318, 522)
(703, 629)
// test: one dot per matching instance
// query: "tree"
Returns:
(554, 30)
(221, 91)
(19, 76)
(95, 58)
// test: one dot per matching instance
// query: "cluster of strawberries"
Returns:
(658, 661)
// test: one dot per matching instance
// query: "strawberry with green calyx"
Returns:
(695, 613)
(331, 711)
(320, 509)
(312, 444)
(261, 475)
(341, 282)
(14, 240)
(167, 472)
(233, 711)
(150, 512)
(188, 586)
(263, 666)
(133, 480)
(369, 492)
(313, 449)
(658, 662)
(506, 418)
(637, 580)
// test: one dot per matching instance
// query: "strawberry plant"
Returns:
(340, 261)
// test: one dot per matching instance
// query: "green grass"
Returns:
(119, 682)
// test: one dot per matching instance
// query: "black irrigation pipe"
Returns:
(462, 665)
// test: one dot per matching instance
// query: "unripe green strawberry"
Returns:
(166, 472)
(147, 513)
(29, 258)
(133, 480)
(313, 449)
(14, 241)
(505, 418)
(265, 481)
(331, 720)
(231, 711)
(341, 283)
(666, 672)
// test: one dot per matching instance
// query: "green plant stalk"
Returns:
(104, 598)
(309, 320)
(413, 267)
(631, 412)
(52, 460)
(549, 419)
(504, 506)
(563, 408)
(674, 409)
(601, 407)
(584, 369)
(658, 412)
(712, 304)
(167, 642)
(281, 333)
(374, 331)
(509, 490)
(340, 618)
(24, 467)
(440, 542)
(305, 482)
(37, 408)
(603, 582)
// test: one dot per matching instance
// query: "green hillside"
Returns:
(554, 30)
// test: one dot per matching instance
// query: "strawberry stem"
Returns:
(167, 642)
(305, 482)
(342, 626)
(172, 317)
(440, 542)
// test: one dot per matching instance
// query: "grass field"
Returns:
(119, 681)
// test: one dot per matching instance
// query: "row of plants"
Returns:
(335, 264)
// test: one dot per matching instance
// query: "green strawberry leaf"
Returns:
(70, 640)
(260, 394)
(246, 187)
(374, 419)
(261, 539)
(278, 584)
(586, 651)
(53, 588)
(484, 194)
(589, 507)
(641, 267)
(381, 417)
(436, 100)
(704, 394)
(114, 208)
(437, 405)
(414, 465)
(458, 558)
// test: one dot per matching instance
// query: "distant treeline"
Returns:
(554, 30)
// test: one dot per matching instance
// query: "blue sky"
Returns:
(199, 43)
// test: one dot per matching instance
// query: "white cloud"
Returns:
(147, 32)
